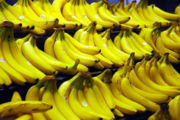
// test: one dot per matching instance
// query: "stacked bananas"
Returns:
(22, 61)
(129, 90)
(164, 41)
(143, 15)
(148, 84)
(17, 109)
(40, 15)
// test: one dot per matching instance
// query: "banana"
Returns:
(40, 21)
(101, 11)
(74, 53)
(135, 80)
(129, 47)
(62, 105)
(79, 105)
(102, 101)
(41, 12)
(10, 17)
(94, 104)
(33, 94)
(119, 95)
(13, 74)
(17, 54)
(94, 16)
(154, 72)
(14, 108)
(5, 78)
(16, 97)
(47, 97)
(49, 44)
(173, 57)
(166, 15)
(70, 15)
(92, 50)
(173, 108)
(10, 59)
(65, 88)
(164, 69)
(56, 64)
(156, 17)
(57, 7)
(62, 55)
(155, 97)
(142, 42)
(30, 54)
(168, 42)
(105, 91)
(168, 90)
(101, 43)
(129, 92)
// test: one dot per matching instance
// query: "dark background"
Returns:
(167, 5)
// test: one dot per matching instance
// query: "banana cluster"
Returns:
(128, 42)
(143, 15)
(22, 61)
(164, 41)
(81, 97)
(129, 90)
(17, 109)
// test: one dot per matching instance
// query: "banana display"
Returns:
(125, 92)
(40, 15)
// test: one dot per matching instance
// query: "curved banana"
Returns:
(130, 93)
(168, 90)
(30, 54)
(47, 97)
(101, 43)
(33, 94)
(79, 105)
(166, 15)
(22, 107)
(94, 104)
(92, 50)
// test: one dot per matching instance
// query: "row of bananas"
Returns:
(40, 15)
(164, 41)
(67, 54)
(129, 90)
(22, 61)
(94, 49)
(18, 109)
(142, 14)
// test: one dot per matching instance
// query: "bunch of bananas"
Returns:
(143, 15)
(166, 41)
(17, 109)
(81, 97)
(128, 42)
(22, 61)
(145, 86)
(27, 16)
(84, 13)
